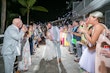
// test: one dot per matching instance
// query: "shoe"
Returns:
(25, 70)
(71, 53)
(76, 55)
(76, 60)
(59, 60)
(17, 71)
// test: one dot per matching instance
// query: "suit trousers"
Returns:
(58, 50)
(9, 62)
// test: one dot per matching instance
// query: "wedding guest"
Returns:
(102, 64)
(89, 54)
(31, 38)
(26, 56)
(11, 44)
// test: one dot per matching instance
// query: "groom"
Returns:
(54, 30)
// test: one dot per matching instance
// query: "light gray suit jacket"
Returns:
(11, 42)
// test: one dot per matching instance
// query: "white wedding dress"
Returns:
(49, 51)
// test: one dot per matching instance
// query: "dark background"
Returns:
(56, 8)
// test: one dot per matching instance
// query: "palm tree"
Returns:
(29, 5)
(3, 15)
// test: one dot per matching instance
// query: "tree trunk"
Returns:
(3, 16)
(28, 17)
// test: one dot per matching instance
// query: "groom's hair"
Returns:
(48, 23)
(54, 24)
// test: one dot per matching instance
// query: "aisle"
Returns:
(67, 65)
(68, 61)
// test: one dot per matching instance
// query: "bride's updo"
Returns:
(45, 30)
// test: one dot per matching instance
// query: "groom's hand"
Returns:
(51, 39)
(58, 41)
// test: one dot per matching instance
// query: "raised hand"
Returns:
(24, 28)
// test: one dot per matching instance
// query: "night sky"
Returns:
(56, 8)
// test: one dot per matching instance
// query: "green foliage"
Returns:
(10, 17)
(23, 3)
(30, 3)
(23, 11)
(39, 8)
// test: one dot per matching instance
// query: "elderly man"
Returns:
(11, 44)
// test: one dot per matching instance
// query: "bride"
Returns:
(49, 52)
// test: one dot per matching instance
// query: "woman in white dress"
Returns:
(87, 61)
(49, 52)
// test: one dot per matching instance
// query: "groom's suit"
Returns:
(11, 47)
(56, 39)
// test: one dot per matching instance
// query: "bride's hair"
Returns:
(45, 30)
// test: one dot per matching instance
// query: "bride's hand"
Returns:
(50, 39)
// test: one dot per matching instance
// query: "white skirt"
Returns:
(87, 61)
(49, 52)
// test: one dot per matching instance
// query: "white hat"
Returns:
(97, 14)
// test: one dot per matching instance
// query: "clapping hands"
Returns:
(82, 27)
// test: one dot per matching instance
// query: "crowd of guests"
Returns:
(88, 40)
(20, 42)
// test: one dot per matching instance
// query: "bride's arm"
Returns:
(49, 36)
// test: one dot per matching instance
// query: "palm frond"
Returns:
(23, 11)
(39, 8)
(30, 3)
(23, 3)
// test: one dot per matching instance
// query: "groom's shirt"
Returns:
(55, 33)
